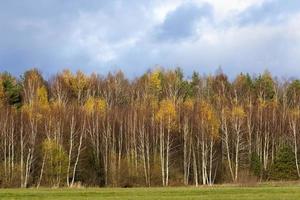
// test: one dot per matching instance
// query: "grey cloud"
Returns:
(180, 24)
(271, 11)
(54, 34)
(41, 33)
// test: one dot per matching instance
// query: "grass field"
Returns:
(184, 193)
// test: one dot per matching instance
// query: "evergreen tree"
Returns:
(255, 165)
(284, 166)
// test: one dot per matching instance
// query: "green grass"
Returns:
(184, 193)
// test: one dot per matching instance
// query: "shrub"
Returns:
(255, 165)
(284, 167)
(55, 162)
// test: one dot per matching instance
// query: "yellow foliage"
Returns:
(95, 105)
(238, 112)
(42, 95)
(155, 82)
(262, 103)
(48, 145)
(67, 76)
(32, 113)
(208, 114)
(206, 110)
(56, 162)
(39, 105)
(27, 109)
(166, 110)
(33, 76)
(89, 105)
(101, 105)
(76, 82)
(189, 104)
(79, 82)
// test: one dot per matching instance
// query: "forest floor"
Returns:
(174, 193)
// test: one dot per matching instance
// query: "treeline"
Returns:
(159, 129)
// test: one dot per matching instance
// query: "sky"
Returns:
(137, 35)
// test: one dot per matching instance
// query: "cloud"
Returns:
(270, 11)
(181, 23)
(134, 35)
(52, 35)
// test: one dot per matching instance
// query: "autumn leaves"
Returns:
(157, 129)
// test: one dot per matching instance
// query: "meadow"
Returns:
(174, 193)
